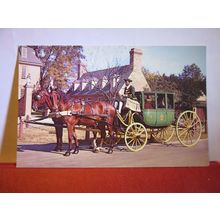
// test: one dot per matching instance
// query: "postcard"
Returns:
(112, 106)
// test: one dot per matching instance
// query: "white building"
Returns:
(28, 69)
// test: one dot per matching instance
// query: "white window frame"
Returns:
(23, 72)
(24, 52)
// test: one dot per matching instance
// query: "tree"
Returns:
(152, 79)
(191, 84)
(163, 83)
(60, 64)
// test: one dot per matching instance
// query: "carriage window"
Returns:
(161, 101)
(170, 101)
(149, 101)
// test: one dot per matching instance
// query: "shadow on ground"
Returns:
(84, 145)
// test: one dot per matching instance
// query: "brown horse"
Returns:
(41, 101)
(95, 115)
(94, 119)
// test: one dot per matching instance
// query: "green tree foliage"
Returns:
(192, 83)
(60, 64)
(163, 83)
(188, 85)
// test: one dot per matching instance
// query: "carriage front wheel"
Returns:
(188, 128)
(135, 137)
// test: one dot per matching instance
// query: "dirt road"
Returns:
(153, 155)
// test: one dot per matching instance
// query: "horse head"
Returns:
(41, 99)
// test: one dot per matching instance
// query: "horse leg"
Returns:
(103, 133)
(110, 128)
(57, 137)
(76, 150)
(60, 133)
(94, 143)
(70, 137)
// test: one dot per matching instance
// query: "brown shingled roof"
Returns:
(122, 71)
(31, 58)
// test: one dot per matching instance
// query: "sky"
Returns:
(164, 59)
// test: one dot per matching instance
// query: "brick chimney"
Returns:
(81, 70)
(136, 58)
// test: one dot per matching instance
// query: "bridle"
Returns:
(44, 98)
(55, 98)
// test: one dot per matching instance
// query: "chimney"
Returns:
(81, 70)
(136, 58)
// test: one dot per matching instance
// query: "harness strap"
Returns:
(38, 119)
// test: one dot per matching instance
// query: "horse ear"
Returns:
(39, 85)
(49, 89)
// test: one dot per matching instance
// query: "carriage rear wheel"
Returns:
(188, 128)
(136, 137)
(163, 135)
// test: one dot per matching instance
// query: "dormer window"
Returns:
(76, 85)
(24, 52)
(104, 81)
(93, 83)
(115, 81)
(83, 85)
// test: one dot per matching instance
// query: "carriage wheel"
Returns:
(188, 128)
(136, 137)
(115, 140)
(164, 135)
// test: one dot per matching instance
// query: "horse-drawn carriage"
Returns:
(156, 119)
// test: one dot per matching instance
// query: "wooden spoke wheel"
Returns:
(135, 137)
(188, 128)
(163, 135)
(117, 136)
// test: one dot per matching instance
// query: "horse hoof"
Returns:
(95, 151)
(67, 154)
(110, 151)
(76, 151)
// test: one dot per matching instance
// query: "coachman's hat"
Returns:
(129, 80)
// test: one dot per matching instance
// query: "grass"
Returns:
(42, 134)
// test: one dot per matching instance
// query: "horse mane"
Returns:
(63, 96)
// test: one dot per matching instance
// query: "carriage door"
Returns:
(161, 110)
(170, 108)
